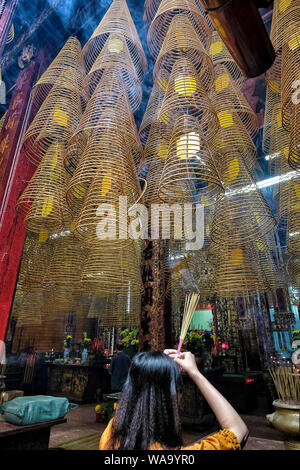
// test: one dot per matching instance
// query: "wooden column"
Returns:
(156, 326)
(15, 172)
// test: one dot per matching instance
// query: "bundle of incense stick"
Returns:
(287, 383)
(190, 305)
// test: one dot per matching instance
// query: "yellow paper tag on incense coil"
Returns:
(232, 171)
(43, 236)
(279, 119)
(215, 48)
(162, 150)
(106, 184)
(185, 85)
(294, 42)
(286, 151)
(47, 206)
(225, 119)
(60, 117)
(222, 82)
(297, 190)
(284, 4)
(237, 257)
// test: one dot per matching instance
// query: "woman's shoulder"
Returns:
(221, 440)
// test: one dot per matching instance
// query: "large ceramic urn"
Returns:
(286, 419)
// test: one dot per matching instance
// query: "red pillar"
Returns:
(15, 172)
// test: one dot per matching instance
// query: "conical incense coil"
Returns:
(293, 217)
(241, 212)
(164, 15)
(227, 99)
(220, 55)
(186, 94)
(65, 70)
(190, 172)
(262, 248)
(55, 121)
(115, 55)
(237, 272)
(293, 270)
(153, 105)
(117, 19)
(278, 143)
(112, 310)
(109, 106)
(113, 270)
(106, 157)
(35, 262)
(182, 41)
(235, 138)
(290, 74)
(43, 200)
(285, 12)
(271, 118)
(150, 7)
(114, 180)
(28, 311)
(66, 263)
(294, 151)
(289, 192)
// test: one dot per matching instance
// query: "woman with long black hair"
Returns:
(147, 416)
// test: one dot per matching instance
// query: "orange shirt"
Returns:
(222, 440)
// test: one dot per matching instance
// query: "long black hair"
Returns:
(148, 410)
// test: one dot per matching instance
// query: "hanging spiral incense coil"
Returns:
(115, 55)
(35, 262)
(112, 310)
(289, 192)
(153, 105)
(182, 41)
(285, 12)
(106, 158)
(186, 94)
(234, 137)
(107, 107)
(220, 55)
(293, 270)
(279, 143)
(43, 200)
(113, 270)
(237, 272)
(164, 15)
(117, 19)
(293, 215)
(290, 73)
(28, 309)
(294, 151)
(150, 7)
(241, 212)
(262, 248)
(66, 263)
(55, 121)
(115, 178)
(190, 170)
(271, 118)
(65, 70)
(227, 99)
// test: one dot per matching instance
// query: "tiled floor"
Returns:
(81, 422)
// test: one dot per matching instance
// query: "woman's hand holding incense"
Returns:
(226, 415)
(185, 360)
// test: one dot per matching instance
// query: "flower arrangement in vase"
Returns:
(130, 340)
